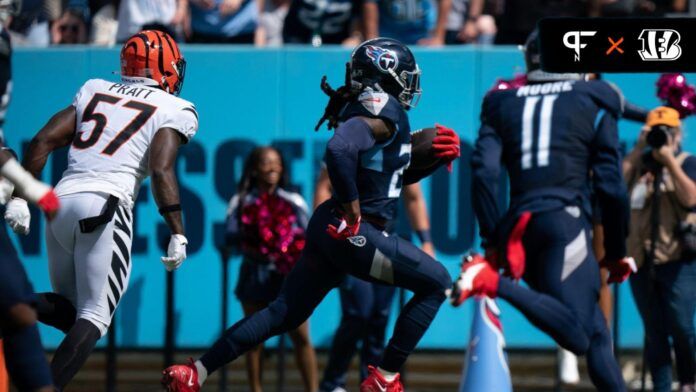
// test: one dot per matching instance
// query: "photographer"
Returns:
(662, 242)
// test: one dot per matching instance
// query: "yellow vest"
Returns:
(640, 187)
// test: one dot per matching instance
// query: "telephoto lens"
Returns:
(658, 136)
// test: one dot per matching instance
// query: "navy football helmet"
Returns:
(385, 64)
(532, 58)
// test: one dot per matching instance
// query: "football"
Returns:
(422, 156)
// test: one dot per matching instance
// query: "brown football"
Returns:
(422, 156)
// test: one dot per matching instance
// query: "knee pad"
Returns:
(55, 310)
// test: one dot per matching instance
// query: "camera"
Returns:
(658, 136)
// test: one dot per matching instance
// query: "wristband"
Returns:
(170, 208)
(424, 235)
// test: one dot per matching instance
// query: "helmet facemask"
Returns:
(410, 87)
(180, 69)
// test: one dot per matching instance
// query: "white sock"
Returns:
(202, 373)
(389, 376)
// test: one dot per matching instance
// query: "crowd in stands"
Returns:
(316, 22)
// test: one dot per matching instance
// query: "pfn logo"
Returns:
(572, 40)
(660, 45)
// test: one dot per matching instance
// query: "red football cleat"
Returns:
(181, 378)
(375, 382)
(477, 278)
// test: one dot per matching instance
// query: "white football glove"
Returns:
(17, 215)
(6, 189)
(176, 252)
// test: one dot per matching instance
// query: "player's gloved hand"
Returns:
(17, 215)
(176, 252)
(446, 145)
(619, 270)
(6, 189)
(344, 229)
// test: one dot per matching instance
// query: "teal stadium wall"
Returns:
(249, 96)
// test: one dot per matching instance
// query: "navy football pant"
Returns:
(372, 255)
(24, 354)
(365, 307)
(563, 278)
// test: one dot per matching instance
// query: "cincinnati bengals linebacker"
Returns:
(118, 133)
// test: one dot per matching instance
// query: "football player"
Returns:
(368, 162)
(118, 133)
(549, 135)
(21, 346)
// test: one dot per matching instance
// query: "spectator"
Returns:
(70, 27)
(518, 18)
(164, 15)
(466, 23)
(663, 287)
(411, 21)
(660, 7)
(30, 27)
(266, 223)
(323, 22)
(270, 30)
(104, 23)
(224, 21)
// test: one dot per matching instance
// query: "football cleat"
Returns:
(375, 382)
(181, 378)
(476, 278)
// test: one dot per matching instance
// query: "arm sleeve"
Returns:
(184, 120)
(634, 112)
(485, 166)
(233, 234)
(342, 154)
(609, 186)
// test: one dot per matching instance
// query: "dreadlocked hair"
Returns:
(337, 99)
(249, 182)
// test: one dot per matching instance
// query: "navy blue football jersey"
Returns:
(5, 76)
(550, 137)
(381, 168)
(329, 19)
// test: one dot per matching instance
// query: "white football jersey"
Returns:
(115, 124)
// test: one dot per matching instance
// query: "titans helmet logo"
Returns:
(384, 59)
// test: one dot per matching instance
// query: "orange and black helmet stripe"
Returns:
(154, 55)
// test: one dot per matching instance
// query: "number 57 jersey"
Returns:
(115, 125)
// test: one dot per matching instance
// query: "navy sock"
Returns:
(601, 364)
(74, 351)
(25, 359)
(414, 320)
(247, 333)
(546, 313)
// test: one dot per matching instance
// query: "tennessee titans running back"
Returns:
(557, 138)
(367, 160)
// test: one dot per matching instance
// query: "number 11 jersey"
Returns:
(115, 124)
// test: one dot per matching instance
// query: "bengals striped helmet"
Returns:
(153, 57)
